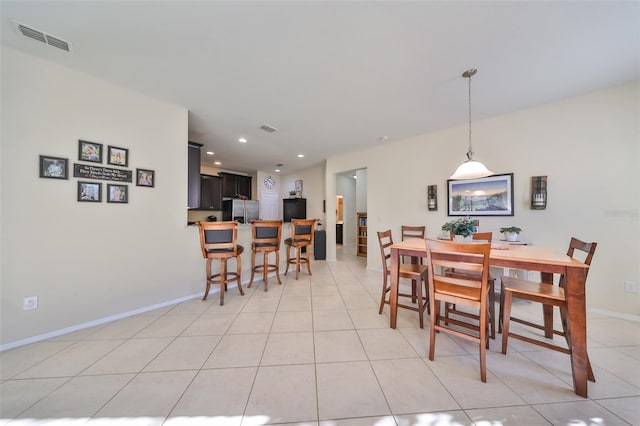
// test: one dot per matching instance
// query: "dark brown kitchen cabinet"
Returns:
(210, 192)
(235, 185)
(193, 175)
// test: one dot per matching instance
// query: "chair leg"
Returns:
(483, 346)
(223, 280)
(265, 268)
(297, 262)
(385, 289)
(208, 271)
(505, 319)
(278, 266)
(308, 263)
(253, 267)
(435, 312)
(420, 304)
(288, 257)
(427, 298)
(238, 271)
(500, 315)
(492, 309)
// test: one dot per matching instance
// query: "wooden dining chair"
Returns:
(470, 291)
(266, 237)
(547, 294)
(413, 271)
(301, 237)
(219, 241)
(450, 308)
(407, 232)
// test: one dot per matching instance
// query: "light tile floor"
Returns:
(310, 352)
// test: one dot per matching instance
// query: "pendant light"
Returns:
(470, 169)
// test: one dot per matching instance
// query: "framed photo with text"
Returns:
(54, 167)
(118, 156)
(489, 196)
(90, 151)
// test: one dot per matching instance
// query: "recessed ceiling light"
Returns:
(209, 152)
(277, 170)
(300, 155)
(242, 140)
(217, 163)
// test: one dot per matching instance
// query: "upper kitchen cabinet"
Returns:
(234, 185)
(210, 192)
(193, 175)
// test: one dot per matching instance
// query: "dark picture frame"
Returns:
(118, 156)
(117, 193)
(489, 196)
(54, 167)
(89, 151)
(145, 177)
(90, 191)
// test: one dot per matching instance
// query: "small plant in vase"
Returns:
(464, 227)
(511, 233)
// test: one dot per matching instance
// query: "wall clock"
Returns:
(269, 182)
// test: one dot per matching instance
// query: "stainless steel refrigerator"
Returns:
(243, 211)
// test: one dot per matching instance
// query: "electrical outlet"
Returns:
(30, 302)
(630, 287)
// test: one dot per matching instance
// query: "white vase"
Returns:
(463, 240)
(511, 236)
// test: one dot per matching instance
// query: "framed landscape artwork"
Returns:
(489, 196)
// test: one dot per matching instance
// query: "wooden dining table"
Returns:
(547, 261)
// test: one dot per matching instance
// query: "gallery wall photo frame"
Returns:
(117, 193)
(90, 191)
(118, 156)
(89, 151)
(145, 177)
(54, 167)
(488, 196)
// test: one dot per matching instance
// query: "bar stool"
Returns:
(219, 241)
(301, 236)
(266, 235)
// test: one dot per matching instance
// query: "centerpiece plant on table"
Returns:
(464, 226)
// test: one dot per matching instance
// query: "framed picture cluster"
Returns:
(51, 167)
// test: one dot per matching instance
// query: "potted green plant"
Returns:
(510, 232)
(463, 227)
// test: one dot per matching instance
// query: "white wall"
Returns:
(588, 146)
(87, 261)
(346, 186)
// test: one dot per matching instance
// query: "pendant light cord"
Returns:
(470, 151)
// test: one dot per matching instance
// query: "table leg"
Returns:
(395, 277)
(577, 317)
(547, 310)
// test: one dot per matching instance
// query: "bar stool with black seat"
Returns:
(451, 308)
(413, 271)
(471, 291)
(266, 237)
(219, 241)
(549, 295)
(301, 237)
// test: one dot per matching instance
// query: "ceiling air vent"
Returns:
(42, 37)
(56, 42)
(268, 128)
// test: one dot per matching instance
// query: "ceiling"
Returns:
(335, 76)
